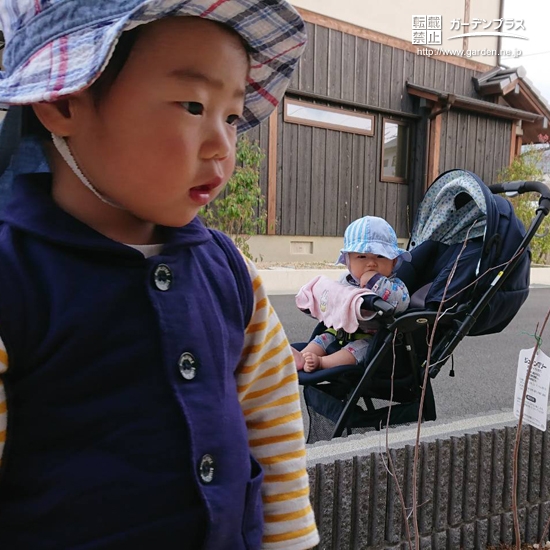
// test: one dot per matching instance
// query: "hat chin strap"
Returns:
(63, 148)
(348, 265)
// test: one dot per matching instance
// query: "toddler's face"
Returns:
(162, 141)
(362, 263)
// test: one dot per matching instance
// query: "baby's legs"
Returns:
(298, 358)
(340, 357)
(309, 357)
(316, 356)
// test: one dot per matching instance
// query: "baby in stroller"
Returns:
(372, 257)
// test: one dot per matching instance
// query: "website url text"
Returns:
(429, 52)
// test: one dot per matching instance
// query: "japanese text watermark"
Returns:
(427, 30)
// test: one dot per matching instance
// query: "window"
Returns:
(395, 151)
(321, 116)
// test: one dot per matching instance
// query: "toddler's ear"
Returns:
(58, 116)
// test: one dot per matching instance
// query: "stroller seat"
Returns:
(469, 275)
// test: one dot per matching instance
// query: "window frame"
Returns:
(327, 125)
(395, 179)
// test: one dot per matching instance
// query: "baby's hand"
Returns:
(366, 277)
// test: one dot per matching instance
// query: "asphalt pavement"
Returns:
(485, 366)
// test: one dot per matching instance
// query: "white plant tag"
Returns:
(536, 400)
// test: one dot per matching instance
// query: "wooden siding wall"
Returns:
(477, 143)
(326, 178)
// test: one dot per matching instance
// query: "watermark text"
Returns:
(430, 52)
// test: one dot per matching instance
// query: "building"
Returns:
(370, 119)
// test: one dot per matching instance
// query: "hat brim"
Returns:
(71, 61)
(383, 250)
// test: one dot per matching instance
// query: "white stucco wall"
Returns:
(394, 18)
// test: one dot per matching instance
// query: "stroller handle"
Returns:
(525, 187)
(378, 305)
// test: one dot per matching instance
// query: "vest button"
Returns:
(206, 469)
(187, 365)
(163, 277)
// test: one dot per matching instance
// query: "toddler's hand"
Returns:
(366, 277)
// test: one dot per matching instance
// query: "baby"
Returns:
(372, 257)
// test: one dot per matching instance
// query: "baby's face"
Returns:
(362, 263)
(162, 141)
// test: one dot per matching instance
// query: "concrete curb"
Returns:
(286, 280)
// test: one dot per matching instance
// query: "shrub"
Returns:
(527, 166)
(240, 210)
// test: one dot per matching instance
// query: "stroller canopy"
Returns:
(459, 208)
(453, 209)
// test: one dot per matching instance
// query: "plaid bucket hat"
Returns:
(372, 235)
(57, 47)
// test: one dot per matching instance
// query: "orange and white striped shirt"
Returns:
(268, 394)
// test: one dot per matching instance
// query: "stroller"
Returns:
(469, 275)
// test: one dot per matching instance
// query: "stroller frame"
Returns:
(458, 323)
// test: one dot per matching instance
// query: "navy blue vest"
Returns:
(124, 428)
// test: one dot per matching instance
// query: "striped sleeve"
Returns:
(3, 401)
(268, 393)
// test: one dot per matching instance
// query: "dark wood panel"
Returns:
(429, 72)
(321, 60)
(349, 69)
(381, 188)
(386, 59)
(318, 156)
(439, 75)
(373, 79)
(381, 199)
(470, 88)
(397, 84)
(307, 61)
(344, 194)
(280, 162)
(330, 227)
(304, 180)
(362, 65)
(295, 78)
(335, 64)
(502, 147)
(390, 209)
(471, 143)
(452, 139)
(418, 71)
(461, 84)
(449, 77)
(442, 142)
(462, 140)
(419, 160)
(402, 212)
(489, 147)
(359, 180)
(407, 104)
(290, 179)
(372, 171)
(479, 160)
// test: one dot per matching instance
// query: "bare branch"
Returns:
(425, 385)
(544, 531)
(518, 434)
(388, 454)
